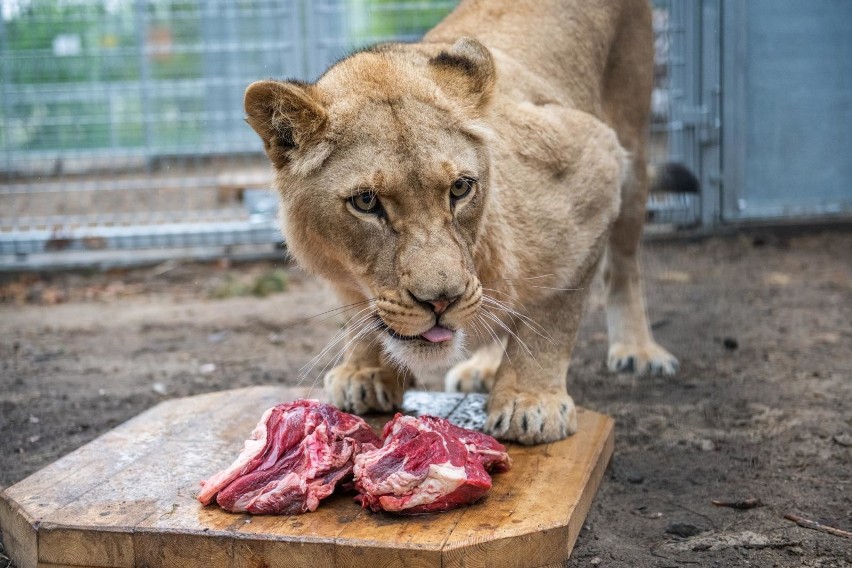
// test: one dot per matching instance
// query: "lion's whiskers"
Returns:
(533, 325)
(511, 297)
(521, 278)
(332, 313)
(506, 328)
(341, 333)
(366, 327)
(505, 282)
(494, 335)
(335, 338)
(364, 322)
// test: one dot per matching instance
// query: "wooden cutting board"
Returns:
(127, 499)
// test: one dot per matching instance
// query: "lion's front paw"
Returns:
(364, 389)
(641, 359)
(530, 418)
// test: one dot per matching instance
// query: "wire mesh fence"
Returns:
(121, 123)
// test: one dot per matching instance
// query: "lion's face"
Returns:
(393, 214)
(386, 201)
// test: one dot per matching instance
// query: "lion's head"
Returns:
(383, 170)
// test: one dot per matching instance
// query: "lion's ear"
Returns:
(466, 72)
(286, 116)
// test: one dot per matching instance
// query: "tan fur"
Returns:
(543, 102)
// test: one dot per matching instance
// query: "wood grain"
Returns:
(128, 499)
(19, 531)
(523, 518)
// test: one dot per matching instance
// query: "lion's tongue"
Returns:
(438, 334)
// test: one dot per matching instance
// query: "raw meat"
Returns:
(296, 455)
(427, 465)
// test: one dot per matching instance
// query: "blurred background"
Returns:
(122, 123)
(125, 157)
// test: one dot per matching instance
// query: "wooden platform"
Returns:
(127, 499)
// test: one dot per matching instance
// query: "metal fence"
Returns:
(121, 123)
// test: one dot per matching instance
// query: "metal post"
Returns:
(676, 80)
(734, 117)
(6, 77)
(709, 151)
(144, 75)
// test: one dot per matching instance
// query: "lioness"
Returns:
(464, 190)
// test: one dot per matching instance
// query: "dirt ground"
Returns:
(762, 407)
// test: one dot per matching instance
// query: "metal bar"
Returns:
(138, 237)
(107, 259)
(6, 80)
(734, 144)
(144, 71)
(709, 152)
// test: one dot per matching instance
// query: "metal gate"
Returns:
(122, 124)
(687, 106)
(788, 109)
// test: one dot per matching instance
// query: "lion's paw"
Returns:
(364, 389)
(530, 417)
(470, 376)
(641, 359)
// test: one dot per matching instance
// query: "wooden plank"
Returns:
(82, 546)
(19, 532)
(156, 491)
(590, 484)
(101, 525)
(383, 539)
(523, 518)
(162, 537)
(84, 469)
(159, 550)
(295, 541)
(128, 499)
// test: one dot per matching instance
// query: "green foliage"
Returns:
(107, 92)
(106, 43)
(270, 282)
(383, 20)
(109, 41)
(98, 101)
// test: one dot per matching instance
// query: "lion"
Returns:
(461, 193)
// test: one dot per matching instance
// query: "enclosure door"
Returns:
(788, 109)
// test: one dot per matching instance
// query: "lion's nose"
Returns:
(439, 304)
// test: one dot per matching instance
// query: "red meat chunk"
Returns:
(296, 455)
(427, 465)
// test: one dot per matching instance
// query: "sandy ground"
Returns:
(762, 406)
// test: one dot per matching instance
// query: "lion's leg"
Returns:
(530, 402)
(628, 82)
(632, 348)
(365, 381)
(477, 373)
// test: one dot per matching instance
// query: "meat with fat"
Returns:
(295, 457)
(426, 465)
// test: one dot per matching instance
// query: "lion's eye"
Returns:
(366, 202)
(461, 187)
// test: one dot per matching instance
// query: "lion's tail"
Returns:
(673, 177)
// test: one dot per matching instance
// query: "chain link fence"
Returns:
(121, 123)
